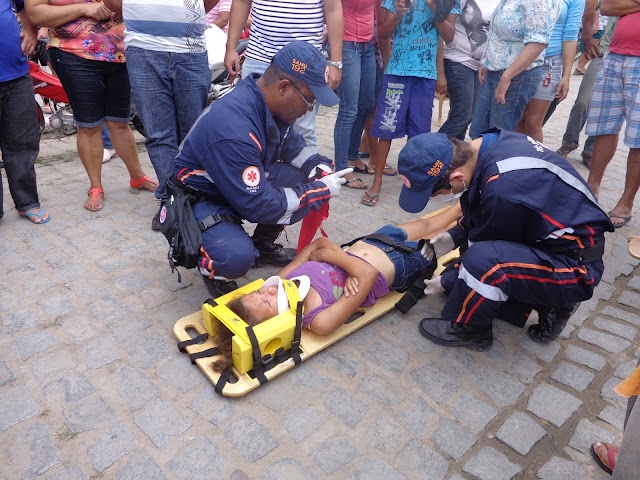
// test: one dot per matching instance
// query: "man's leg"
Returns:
(461, 90)
(604, 148)
(624, 207)
(191, 82)
(628, 463)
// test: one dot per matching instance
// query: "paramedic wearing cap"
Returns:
(245, 162)
(534, 229)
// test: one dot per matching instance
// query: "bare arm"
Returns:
(335, 31)
(568, 56)
(591, 48)
(441, 82)
(44, 15)
(528, 54)
(388, 21)
(619, 8)
(29, 34)
(222, 20)
(305, 253)
(209, 4)
(237, 20)
(115, 6)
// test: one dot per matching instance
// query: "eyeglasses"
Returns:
(309, 105)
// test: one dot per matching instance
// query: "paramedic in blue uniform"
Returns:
(535, 234)
(245, 162)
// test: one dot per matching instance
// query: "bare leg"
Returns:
(532, 118)
(624, 207)
(125, 146)
(90, 151)
(603, 150)
(380, 160)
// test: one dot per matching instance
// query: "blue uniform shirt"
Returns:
(13, 63)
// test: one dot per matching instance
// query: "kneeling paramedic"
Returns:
(241, 160)
(535, 234)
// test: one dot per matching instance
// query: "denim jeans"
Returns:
(357, 99)
(463, 86)
(106, 137)
(580, 109)
(19, 142)
(490, 114)
(169, 91)
(305, 125)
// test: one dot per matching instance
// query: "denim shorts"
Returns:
(97, 90)
(408, 266)
(553, 68)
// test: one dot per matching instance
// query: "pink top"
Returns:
(358, 20)
(214, 13)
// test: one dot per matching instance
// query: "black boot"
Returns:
(271, 253)
(551, 322)
(217, 288)
(453, 334)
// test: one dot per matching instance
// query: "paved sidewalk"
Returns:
(92, 385)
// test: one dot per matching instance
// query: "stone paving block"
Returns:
(180, 374)
(276, 396)
(302, 422)
(630, 299)
(579, 316)
(386, 434)
(100, 351)
(572, 376)
(117, 442)
(520, 432)
(32, 451)
(30, 345)
(586, 433)
(610, 343)
(490, 464)
(560, 469)
(200, 459)
(71, 472)
(77, 329)
(347, 408)
(472, 412)
(88, 413)
(110, 309)
(15, 322)
(435, 383)
(135, 388)
(419, 417)
(382, 391)
(340, 363)
(420, 462)
(621, 315)
(308, 377)
(57, 306)
(68, 390)
(524, 367)
(552, 404)
(211, 406)
(613, 416)
(452, 439)
(387, 356)
(503, 388)
(623, 330)
(252, 440)
(604, 291)
(141, 466)
(287, 468)
(160, 421)
(6, 375)
(546, 353)
(625, 368)
(608, 392)
(131, 328)
(585, 357)
(333, 454)
(374, 469)
(52, 364)
(131, 282)
(150, 350)
(16, 405)
(634, 283)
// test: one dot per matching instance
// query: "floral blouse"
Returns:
(516, 23)
(89, 38)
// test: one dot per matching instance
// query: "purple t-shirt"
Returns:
(329, 280)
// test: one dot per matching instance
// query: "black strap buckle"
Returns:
(209, 221)
(268, 362)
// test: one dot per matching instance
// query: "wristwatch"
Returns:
(337, 64)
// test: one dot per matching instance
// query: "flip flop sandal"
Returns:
(94, 192)
(362, 171)
(363, 154)
(610, 456)
(624, 219)
(389, 171)
(362, 186)
(38, 215)
(369, 200)
(138, 184)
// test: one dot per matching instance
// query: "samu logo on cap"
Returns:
(298, 66)
(435, 170)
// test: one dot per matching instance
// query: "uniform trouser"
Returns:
(499, 278)
(628, 463)
(228, 251)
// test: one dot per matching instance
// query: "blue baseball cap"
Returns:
(421, 164)
(303, 61)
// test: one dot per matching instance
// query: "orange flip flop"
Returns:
(138, 184)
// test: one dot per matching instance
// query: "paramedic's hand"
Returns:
(427, 251)
(336, 180)
(442, 244)
(433, 286)
(321, 170)
(351, 287)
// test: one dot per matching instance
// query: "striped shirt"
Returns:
(175, 26)
(276, 23)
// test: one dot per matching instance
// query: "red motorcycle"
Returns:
(50, 88)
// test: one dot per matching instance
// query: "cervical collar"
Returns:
(283, 300)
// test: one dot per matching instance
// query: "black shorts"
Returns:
(97, 90)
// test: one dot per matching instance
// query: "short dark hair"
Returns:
(273, 74)
(462, 152)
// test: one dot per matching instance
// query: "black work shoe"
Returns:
(453, 334)
(273, 254)
(217, 288)
(551, 323)
(155, 223)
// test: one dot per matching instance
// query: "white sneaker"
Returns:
(108, 154)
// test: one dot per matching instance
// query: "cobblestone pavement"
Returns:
(92, 384)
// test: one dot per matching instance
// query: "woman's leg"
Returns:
(532, 117)
(125, 146)
(90, 151)
(482, 114)
(366, 99)
(348, 91)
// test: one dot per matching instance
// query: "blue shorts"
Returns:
(404, 107)
(552, 68)
(408, 266)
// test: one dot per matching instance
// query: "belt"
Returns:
(588, 255)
